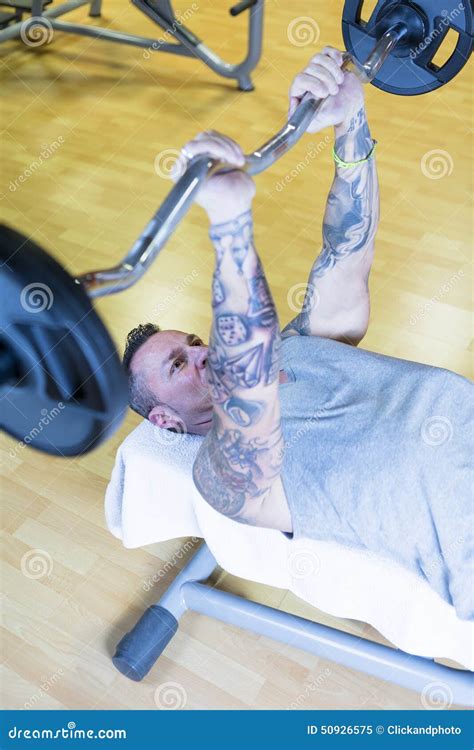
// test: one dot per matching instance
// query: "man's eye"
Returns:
(178, 362)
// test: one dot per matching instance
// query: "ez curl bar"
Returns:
(62, 387)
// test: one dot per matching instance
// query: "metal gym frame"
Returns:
(162, 13)
(140, 648)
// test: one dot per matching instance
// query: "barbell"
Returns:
(62, 387)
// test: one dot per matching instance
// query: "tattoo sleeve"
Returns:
(350, 220)
(241, 455)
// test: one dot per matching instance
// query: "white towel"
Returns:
(151, 498)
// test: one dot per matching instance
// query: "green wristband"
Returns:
(346, 164)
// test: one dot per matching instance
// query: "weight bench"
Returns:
(39, 28)
(141, 509)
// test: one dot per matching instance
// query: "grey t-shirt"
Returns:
(378, 456)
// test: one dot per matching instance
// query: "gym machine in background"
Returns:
(57, 361)
(41, 25)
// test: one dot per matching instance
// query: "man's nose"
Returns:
(201, 358)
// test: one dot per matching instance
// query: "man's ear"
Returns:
(161, 417)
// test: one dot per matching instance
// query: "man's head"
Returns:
(167, 378)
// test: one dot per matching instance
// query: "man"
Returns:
(305, 433)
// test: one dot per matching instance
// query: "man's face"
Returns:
(173, 365)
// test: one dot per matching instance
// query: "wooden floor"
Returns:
(111, 112)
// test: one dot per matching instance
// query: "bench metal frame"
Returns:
(138, 651)
(187, 44)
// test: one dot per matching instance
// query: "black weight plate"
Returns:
(62, 386)
(410, 70)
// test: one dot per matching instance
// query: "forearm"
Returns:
(352, 211)
(245, 336)
(337, 300)
(242, 454)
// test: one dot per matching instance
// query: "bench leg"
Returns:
(140, 648)
(95, 9)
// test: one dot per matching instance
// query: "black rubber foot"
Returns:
(138, 650)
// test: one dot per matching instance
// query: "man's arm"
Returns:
(241, 456)
(337, 303)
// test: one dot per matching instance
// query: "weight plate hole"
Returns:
(367, 10)
(10, 368)
(445, 50)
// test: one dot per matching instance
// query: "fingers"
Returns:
(329, 64)
(334, 54)
(213, 144)
(323, 72)
(322, 77)
(218, 146)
